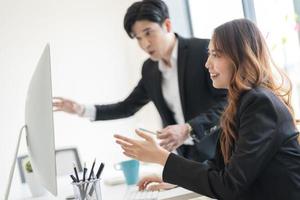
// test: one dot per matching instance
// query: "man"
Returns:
(174, 78)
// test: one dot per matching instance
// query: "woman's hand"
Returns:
(153, 183)
(146, 150)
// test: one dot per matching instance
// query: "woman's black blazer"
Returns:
(265, 162)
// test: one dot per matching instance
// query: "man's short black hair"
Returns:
(151, 10)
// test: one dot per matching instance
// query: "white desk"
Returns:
(108, 192)
(117, 192)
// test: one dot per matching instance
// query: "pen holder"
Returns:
(87, 190)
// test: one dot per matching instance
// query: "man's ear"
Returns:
(168, 25)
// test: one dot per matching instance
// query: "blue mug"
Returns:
(130, 170)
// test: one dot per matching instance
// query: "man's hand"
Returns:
(67, 105)
(173, 136)
(153, 183)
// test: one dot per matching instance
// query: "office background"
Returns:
(94, 61)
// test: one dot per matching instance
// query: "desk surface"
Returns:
(116, 192)
(108, 192)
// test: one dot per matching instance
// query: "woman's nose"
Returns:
(207, 64)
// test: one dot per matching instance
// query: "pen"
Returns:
(84, 172)
(145, 130)
(77, 179)
(75, 170)
(97, 176)
(100, 170)
(73, 178)
(92, 170)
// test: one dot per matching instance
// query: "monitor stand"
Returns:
(12, 169)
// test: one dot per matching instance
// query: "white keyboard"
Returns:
(134, 194)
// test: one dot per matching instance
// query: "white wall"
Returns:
(93, 61)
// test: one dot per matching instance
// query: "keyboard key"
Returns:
(134, 194)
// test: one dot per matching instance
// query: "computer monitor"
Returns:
(39, 126)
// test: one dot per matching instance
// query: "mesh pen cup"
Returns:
(87, 190)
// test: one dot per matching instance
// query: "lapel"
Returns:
(157, 81)
(181, 65)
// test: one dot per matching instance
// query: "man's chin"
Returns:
(154, 58)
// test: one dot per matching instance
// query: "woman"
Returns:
(258, 155)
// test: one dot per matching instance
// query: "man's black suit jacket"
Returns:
(265, 162)
(202, 104)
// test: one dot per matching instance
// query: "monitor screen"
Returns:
(39, 122)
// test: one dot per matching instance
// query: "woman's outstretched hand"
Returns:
(146, 150)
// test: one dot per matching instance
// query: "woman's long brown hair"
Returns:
(242, 42)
